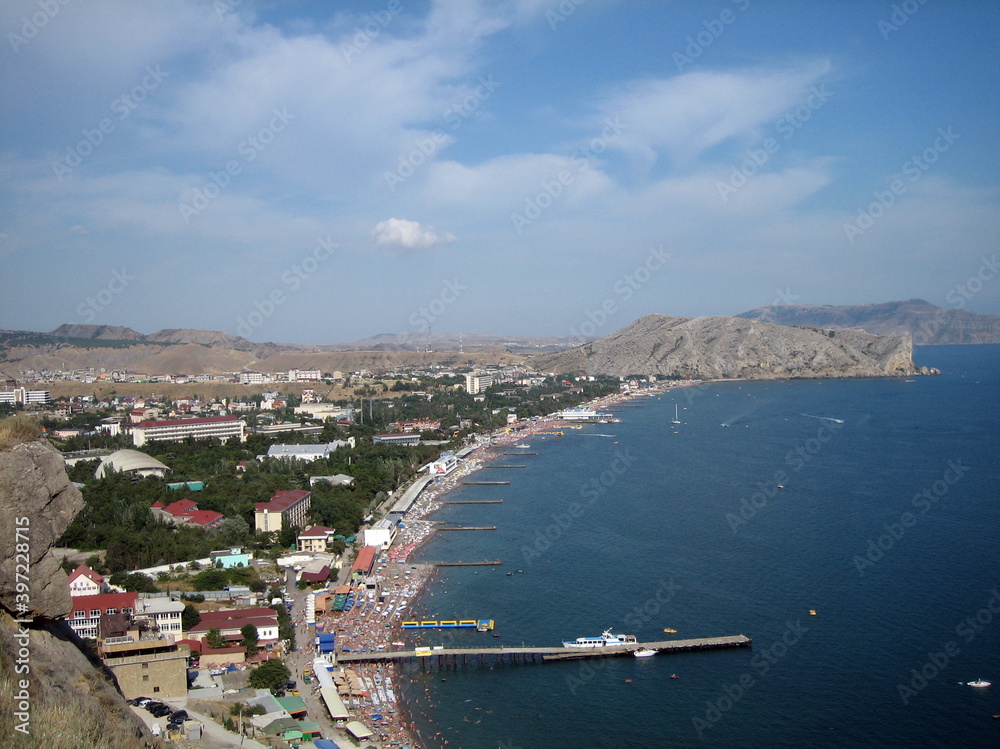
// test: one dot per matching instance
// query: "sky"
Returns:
(320, 172)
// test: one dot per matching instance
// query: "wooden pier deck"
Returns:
(520, 653)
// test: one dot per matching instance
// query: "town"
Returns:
(229, 546)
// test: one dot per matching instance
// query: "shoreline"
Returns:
(405, 582)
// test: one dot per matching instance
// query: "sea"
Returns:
(886, 524)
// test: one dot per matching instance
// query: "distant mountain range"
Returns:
(732, 347)
(926, 323)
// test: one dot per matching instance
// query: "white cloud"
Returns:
(410, 234)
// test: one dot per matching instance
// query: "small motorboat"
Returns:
(644, 652)
(978, 683)
(674, 676)
(671, 631)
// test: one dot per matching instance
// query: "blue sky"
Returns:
(317, 172)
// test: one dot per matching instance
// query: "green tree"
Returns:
(250, 639)
(269, 675)
(214, 638)
(189, 617)
(210, 579)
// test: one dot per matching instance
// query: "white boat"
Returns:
(676, 419)
(978, 683)
(605, 640)
(644, 652)
(522, 446)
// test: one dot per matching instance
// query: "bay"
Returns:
(886, 525)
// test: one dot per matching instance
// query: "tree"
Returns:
(269, 675)
(250, 639)
(210, 579)
(257, 585)
(189, 617)
(214, 638)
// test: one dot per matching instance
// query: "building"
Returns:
(147, 667)
(174, 430)
(308, 452)
(477, 382)
(303, 375)
(87, 611)
(315, 538)
(186, 511)
(364, 562)
(285, 508)
(337, 479)
(407, 440)
(131, 461)
(227, 558)
(83, 581)
(161, 614)
(421, 425)
(443, 465)
(229, 622)
(382, 534)
(325, 411)
(25, 397)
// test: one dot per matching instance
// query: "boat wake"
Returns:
(824, 418)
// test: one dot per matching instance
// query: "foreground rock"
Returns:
(54, 692)
(731, 347)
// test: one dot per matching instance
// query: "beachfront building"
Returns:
(174, 430)
(364, 562)
(382, 533)
(230, 621)
(443, 465)
(285, 508)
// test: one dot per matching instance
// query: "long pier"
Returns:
(473, 502)
(484, 483)
(494, 563)
(462, 655)
(519, 453)
(466, 528)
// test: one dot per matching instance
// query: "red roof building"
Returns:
(186, 511)
(365, 561)
(83, 581)
(88, 610)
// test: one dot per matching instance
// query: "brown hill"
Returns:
(730, 347)
(926, 323)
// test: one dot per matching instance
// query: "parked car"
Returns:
(139, 701)
(179, 717)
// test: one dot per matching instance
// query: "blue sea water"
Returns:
(886, 525)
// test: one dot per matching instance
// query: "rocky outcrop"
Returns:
(729, 347)
(37, 504)
(54, 692)
(926, 323)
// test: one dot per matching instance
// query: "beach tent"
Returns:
(358, 730)
(324, 744)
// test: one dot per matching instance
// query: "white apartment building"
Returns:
(24, 397)
(173, 430)
(477, 382)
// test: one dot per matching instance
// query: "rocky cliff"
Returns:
(926, 323)
(730, 347)
(54, 693)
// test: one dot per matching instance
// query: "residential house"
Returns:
(285, 508)
(83, 581)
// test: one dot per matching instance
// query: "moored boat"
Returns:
(978, 683)
(644, 652)
(605, 640)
